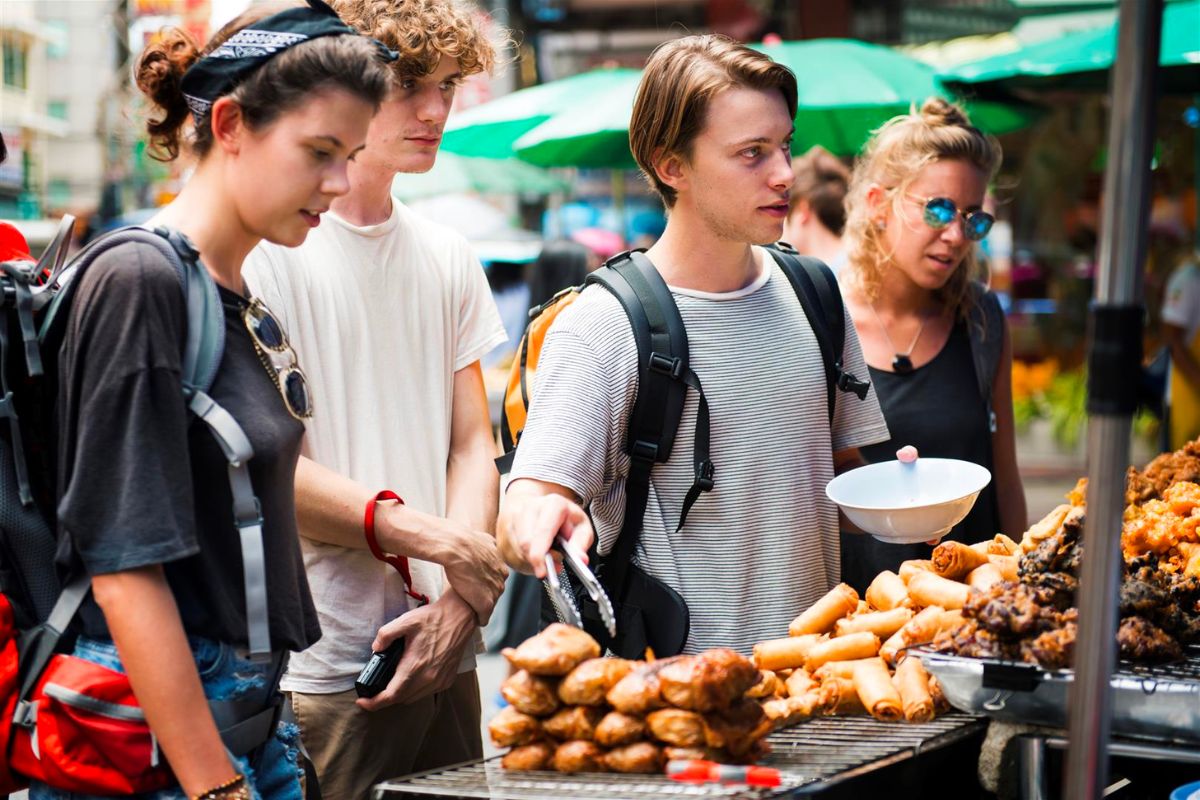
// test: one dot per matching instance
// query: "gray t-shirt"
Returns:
(763, 545)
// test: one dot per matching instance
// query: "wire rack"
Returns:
(805, 755)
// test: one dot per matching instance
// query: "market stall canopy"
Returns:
(455, 174)
(594, 134)
(863, 85)
(1081, 60)
(490, 129)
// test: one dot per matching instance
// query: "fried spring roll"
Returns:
(841, 697)
(940, 703)
(887, 591)
(787, 653)
(933, 590)
(912, 681)
(1008, 566)
(821, 616)
(768, 685)
(881, 623)
(838, 669)
(981, 547)
(799, 682)
(914, 567)
(1001, 545)
(863, 644)
(874, 685)
(954, 560)
(984, 576)
(1044, 528)
(919, 629)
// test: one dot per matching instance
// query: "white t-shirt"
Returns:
(763, 545)
(1181, 302)
(381, 318)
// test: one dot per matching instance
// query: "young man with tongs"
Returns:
(711, 130)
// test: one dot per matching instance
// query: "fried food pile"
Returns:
(572, 711)
(1033, 619)
(844, 655)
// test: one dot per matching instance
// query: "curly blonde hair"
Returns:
(423, 32)
(892, 159)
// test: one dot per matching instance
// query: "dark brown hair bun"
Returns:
(158, 73)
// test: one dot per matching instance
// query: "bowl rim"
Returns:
(895, 508)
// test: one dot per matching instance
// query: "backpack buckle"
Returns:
(664, 365)
(704, 480)
(644, 451)
(848, 383)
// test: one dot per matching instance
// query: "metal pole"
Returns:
(1113, 358)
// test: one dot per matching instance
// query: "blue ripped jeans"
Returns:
(275, 775)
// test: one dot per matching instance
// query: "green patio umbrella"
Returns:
(490, 129)
(595, 134)
(455, 174)
(847, 88)
(1081, 60)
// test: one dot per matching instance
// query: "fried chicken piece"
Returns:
(510, 728)
(737, 728)
(579, 756)
(1139, 640)
(529, 757)
(1052, 649)
(554, 652)
(640, 691)
(530, 694)
(1008, 609)
(1167, 469)
(676, 726)
(576, 722)
(616, 729)
(587, 684)
(1059, 552)
(973, 641)
(708, 681)
(643, 758)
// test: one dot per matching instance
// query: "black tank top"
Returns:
(936, 408)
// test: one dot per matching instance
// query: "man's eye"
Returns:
(408, 84)
(321, 155)
(752, 152)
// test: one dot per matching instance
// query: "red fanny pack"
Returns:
(81, 730)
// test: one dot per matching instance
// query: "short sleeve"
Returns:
(1181, 303)
(480, 329)
(582, 394)
(856, 423)
(124, 473)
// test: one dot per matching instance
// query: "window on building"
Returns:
(15, 57)
(57, 38)
(57, 109)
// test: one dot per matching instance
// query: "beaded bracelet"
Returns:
(235, 788)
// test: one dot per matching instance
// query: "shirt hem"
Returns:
(476, 353)
(873, 435)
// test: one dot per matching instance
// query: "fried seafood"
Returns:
(587, 684)
(554, 652)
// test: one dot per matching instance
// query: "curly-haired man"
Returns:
(390, 316)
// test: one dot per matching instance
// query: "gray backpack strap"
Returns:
(985, 326)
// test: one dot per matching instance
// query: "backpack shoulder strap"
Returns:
(816, 288)
(985, 327)
(663, 379)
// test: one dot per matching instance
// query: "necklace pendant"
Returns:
(902, 364)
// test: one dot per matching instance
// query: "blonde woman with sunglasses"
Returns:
(915, 216)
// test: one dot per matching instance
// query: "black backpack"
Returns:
(650, 613)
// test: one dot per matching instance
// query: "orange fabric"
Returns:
(516, 403)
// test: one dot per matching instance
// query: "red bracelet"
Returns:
(399, 562)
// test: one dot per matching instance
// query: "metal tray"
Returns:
(1160, 702)
(809, 756)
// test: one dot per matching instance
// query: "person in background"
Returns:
(13, 246)
(391, 314)
(145, 503)
(914, 216)
(560, 264)
(817, 215)
(1181, 330)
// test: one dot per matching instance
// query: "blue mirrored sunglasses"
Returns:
(941, 211)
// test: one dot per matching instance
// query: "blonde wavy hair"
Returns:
(892, 159)
(423, 32)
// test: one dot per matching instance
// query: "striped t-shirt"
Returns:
(763, 544)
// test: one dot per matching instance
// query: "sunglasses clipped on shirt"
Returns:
(938, 212)
(279, 358)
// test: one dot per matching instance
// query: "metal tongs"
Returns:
(563, 601)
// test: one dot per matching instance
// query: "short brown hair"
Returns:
(422, 32)
(821, 180)
(680, 80)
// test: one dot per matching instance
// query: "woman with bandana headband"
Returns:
(272, 110)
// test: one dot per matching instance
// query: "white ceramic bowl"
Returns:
(909, 503)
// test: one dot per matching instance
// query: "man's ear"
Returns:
(801, 211)
(670, 169)
(228, 124)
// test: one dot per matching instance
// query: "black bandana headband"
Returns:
(218, 72)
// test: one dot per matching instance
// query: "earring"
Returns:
(881, 225)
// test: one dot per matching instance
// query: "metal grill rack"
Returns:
(806, 755)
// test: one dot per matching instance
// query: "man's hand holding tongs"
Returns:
(532, 515)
